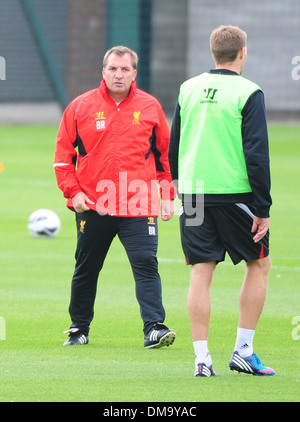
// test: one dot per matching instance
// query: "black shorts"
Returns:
(225, 228)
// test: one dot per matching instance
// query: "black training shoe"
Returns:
(204, 371)
(76, 337)
(159, 336)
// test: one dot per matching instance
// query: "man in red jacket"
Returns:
(110, 181)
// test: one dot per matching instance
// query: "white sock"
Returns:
(202, 353)
(244, 342)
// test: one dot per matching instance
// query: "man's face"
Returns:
(118, 75)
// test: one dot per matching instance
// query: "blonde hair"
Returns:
(226, 42)
(120, 50)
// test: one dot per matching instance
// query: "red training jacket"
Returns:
(122, 153)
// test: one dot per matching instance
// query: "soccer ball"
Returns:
(44, 223)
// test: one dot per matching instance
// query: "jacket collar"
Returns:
(104, 91)
(223, 71)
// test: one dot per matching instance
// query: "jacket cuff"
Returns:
(262, 212)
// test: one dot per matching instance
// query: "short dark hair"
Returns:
(120, 50)
(226, 42)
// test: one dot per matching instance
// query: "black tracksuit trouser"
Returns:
(139, 237)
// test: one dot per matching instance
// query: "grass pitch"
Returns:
(35, 277)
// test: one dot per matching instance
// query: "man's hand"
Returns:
(260, 227)
(80, 201)
(167, 208)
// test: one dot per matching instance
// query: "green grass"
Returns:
(35, 276)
